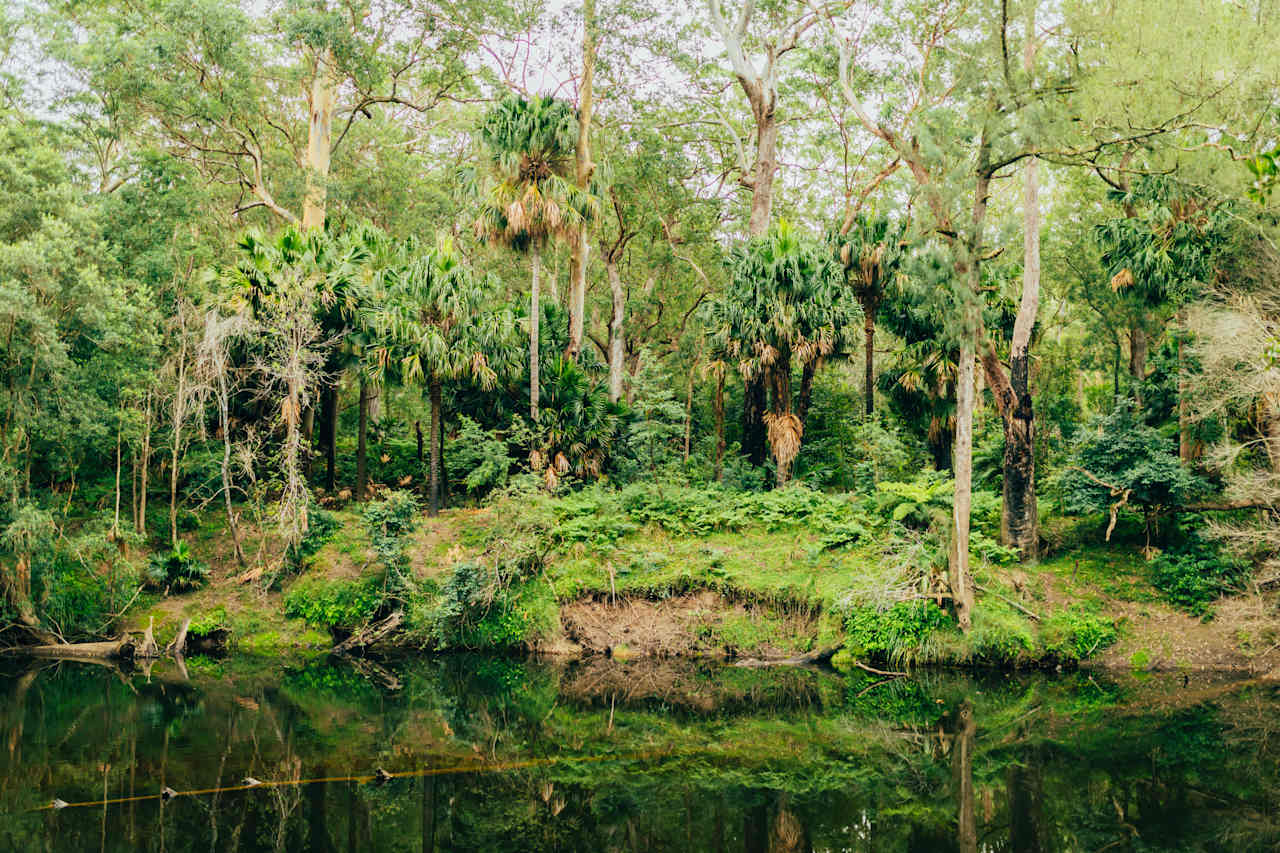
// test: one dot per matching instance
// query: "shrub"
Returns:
(894, 633)
(390, 522)
(481, 454)
(176, 570)
(1077, 633)
(1195, 572)
(343, 604)
(917, 503)
(321, 527)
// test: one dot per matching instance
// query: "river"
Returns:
(463, 753)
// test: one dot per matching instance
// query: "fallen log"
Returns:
(817, 656)
(371, 634)
(120, 649)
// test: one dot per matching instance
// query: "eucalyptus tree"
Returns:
(258, 99)
(782, 306)
(437, 321)
(870, 251)
(528, 199)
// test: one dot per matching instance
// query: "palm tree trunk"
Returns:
(535, 316)
(433, 508)
(331, 436)
(754, 401)
(869, 366)
(362, 433)
(719, 407)
(962, 464)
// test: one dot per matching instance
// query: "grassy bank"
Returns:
(672, 570)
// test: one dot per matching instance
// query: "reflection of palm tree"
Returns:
(531, 200)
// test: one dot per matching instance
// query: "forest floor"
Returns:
(756, 593)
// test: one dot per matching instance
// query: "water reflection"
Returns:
(508, 755)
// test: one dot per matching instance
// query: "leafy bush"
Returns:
(918, 503)
(390, 522)
(1077, 633)
(1130, 458)
(321, 527)
(894, 633)
(1195, 572)
(176, 570)
(481, 454)
(343, 604)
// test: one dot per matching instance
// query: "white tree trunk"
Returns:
(535, 316)
(319, 142)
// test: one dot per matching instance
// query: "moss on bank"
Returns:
(674, 570)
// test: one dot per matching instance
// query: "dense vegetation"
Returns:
(275, 276)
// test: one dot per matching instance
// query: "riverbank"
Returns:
(679, 573)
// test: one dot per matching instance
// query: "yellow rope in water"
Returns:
(498, 767)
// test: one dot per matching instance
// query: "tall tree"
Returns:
(434, 317)
(781, 307)
(584, 169)
(870, 251)
(530, 201)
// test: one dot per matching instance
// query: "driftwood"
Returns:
(817, 656)
(120, 649)
(148, 649)
(179, 645)
(371, 634)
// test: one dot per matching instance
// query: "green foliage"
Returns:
(345, 604)
(576, 427)
(1195, 572)
(1131, 459)
(895, 633)
(176, 570)
(390, 522)
(918, 503)
(1077, 633)
(481, 455)
(322, 526)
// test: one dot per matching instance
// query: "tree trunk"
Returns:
(179, 414)
(766, 166)
(1137, 361)
(869, 365)
(362, 433)
(535, 317)
(754, 398)
(433, 508)
(617, 340)
(581, 248)
(319, 139)
(719, 409)
(803, 401)
(1271, 412)
(224, 415)
(962, 463)
(331, 437)
(146, 468)
(1186, 442)
(688, 414)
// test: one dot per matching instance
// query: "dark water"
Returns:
(506, 755)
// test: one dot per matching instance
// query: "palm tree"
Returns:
(531, 199)
(433, 322)
(870, 252)
(781, 306)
